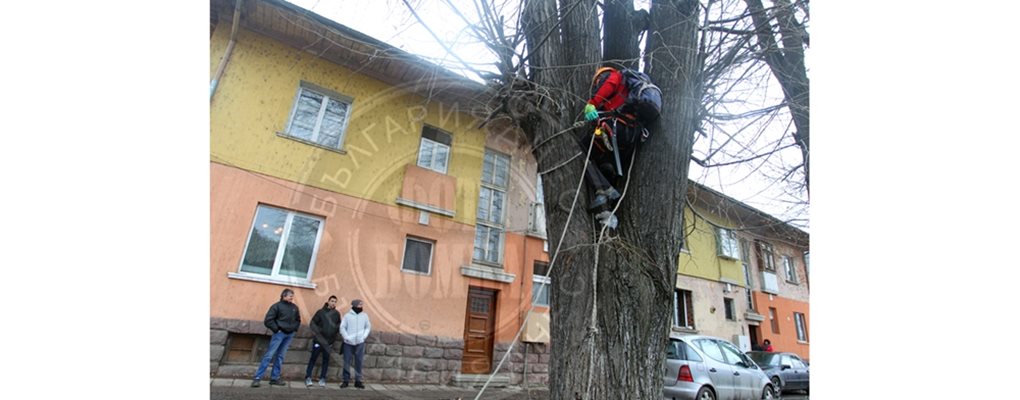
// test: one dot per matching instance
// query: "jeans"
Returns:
(358, 352)
(277, 349)
(316, 350)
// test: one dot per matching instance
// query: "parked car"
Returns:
(786, 370)
(708, 368)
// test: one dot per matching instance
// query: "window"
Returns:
(244, 348)
(678, 350)
(728, 245)
(796, 362)
(791, 272)
(537, 223)
(434, 151)
(733, 356)
(491, 199)
(745, 259)
(417, 256)
(766, 256)
(282, 244)
(319, 116)
(711, 349)
(540, 284)
(801, 326)
(683, 309)
(731, 314)
(773, 320)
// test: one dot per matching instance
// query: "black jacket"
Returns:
(283, 316)
(326, 325)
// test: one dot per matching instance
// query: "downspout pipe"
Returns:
(230, 49)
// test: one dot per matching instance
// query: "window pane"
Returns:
(496, 213)
(264, 240)
(332, 124)
(441, 158)
(306, 114)
(492, 251)
(733, 356)
(691, 354)
(417, 255)
(502, 171)
(488, 166)
(425, 153)
(541, 299)
(297, 256)
(481, 233)
(484, 197)
(710, 349)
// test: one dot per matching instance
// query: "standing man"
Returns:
(355, 329)
(325, 325)
(768, 345)
(283, 318)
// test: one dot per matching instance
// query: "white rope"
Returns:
(552, 264)
(593, 329)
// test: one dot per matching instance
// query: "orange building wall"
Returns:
(359, 256)
(786, 340)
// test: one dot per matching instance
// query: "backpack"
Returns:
(644, 98)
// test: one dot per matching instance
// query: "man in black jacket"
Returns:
(283, 318)
(325, 325)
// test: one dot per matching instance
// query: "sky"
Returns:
(391, 22)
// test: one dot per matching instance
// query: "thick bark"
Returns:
(622, 357)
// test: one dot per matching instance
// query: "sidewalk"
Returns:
(231, 389)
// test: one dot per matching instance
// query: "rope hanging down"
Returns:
(552, 264)
(593, 329)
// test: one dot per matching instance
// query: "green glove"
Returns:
(590, 113)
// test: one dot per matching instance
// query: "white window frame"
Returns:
(537, 279)
(493, 225)
(790, 269)
(680, 313)
(801, 325)
(435, 150)
(327, 95)
(274, 275)
(767, 255)
(432, 252)
(728, 245)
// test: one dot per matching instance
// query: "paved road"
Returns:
(237, 389)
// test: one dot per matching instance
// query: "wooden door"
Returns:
(479, 331)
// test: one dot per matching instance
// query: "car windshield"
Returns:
(764, 359)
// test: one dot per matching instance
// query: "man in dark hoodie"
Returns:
(325, 325)
(283, 318)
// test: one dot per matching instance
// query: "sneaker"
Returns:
(277, 382)
(322, 383)
(343, 385)
(308, 381)
(255, 383)
(359, 385)
(608, 219)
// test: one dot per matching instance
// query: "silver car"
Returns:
(786, 370)
(708, 368)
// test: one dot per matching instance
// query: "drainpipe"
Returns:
(230, 49)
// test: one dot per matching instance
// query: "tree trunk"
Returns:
(787, 65)
(622, 358)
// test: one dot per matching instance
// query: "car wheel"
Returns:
(769, 393)
(777, 384)
(705, 394)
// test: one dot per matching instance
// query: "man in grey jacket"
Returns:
(354, 328)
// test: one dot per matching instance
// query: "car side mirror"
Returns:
(785, 367)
